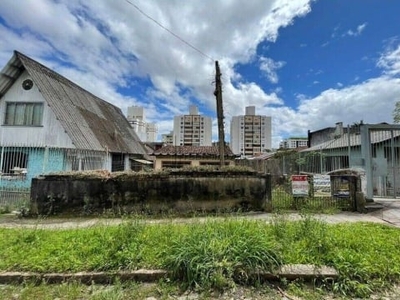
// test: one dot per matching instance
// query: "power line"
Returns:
(166, 29)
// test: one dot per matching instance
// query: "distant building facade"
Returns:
(147, 132)
(168, 138)
(192, 129)
(293, 143)
(250, 133)
(176, 157)
(151, 132)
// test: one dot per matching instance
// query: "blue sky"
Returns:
(307, 64)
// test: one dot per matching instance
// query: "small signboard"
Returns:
(300, 185)
(322, 185)
(342, 187)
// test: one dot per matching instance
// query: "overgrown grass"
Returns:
(214, 254)
(6, 209)
(282, 200)
(74, 290)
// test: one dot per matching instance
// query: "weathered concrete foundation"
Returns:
(180, 192)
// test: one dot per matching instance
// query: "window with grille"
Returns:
(14, 162)
(23, 114)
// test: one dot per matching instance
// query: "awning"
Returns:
(143, 161)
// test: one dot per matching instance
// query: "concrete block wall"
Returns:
(179, 192)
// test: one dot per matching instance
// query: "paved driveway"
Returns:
(390, 212)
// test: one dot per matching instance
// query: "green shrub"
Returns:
(6, 209)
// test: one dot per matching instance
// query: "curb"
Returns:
(290, 272)
(83, 277)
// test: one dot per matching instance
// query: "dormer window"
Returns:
(24, 114)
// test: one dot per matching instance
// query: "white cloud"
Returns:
(335, 30)
(113, 42)
(105, 45)
(390, 60)
(371, 101)
(269, 67)
(360, 28)
(325, 44)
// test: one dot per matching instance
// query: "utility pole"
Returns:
(220, 114)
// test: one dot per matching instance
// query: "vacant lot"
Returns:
(208, 253)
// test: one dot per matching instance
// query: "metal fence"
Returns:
(19, 164)
(372, 150)
(340, 194)
(382, 159)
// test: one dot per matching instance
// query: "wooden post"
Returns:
(220, 114)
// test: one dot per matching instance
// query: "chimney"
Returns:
(338, 130)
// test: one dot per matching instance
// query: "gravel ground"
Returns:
(146, 291)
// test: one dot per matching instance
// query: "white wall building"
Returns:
(168, 138)
(294, 142)
(192, 129)
(147, 132)
(250, 133)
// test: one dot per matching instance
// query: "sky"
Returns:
(306, 63)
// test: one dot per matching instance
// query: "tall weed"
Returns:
(215, 254)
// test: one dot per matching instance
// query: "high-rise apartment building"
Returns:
(192, 129)
(151, 132)
(250, 133)
(168, 138)
(294, 142)
(147, 132)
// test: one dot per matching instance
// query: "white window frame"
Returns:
(23, 114)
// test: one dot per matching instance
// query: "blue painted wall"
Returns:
(40, 161)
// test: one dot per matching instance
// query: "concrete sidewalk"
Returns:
(389, 215)
(390, 212)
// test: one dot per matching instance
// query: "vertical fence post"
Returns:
(353, 190)
(45, 159)
(321, 161)
(268, 192)
(366, 156)
(348, 145)
(1, 171)
(393, 155)
(1, 159)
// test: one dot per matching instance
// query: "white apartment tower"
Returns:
(192, 129)
(251, 133)
(147, 132)
(168, 138)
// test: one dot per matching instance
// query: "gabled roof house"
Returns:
(50, 124)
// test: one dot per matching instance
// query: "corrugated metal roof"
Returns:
(355, 140)
(90, 122)
(10, 73)
(192, 151)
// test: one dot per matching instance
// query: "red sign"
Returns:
(300, 185)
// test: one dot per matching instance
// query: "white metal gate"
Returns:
(380, 146)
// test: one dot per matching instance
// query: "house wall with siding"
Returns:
(51, 134)
(40, 161)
